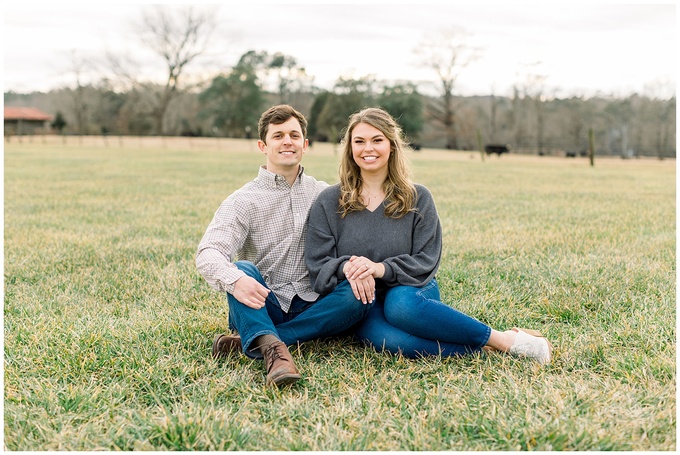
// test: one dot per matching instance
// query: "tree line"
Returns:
(531, 120)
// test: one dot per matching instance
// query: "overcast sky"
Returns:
(581, 48)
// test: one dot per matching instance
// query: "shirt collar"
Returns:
(272, 179)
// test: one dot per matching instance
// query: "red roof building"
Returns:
(26, 113)
(25, 120)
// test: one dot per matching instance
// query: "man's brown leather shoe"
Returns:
(280, 367)
(224, 344)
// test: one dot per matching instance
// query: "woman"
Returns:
(381, 232)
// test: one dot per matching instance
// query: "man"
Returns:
(263, 224)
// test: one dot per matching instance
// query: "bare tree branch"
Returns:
(446, 52)
(179, 37)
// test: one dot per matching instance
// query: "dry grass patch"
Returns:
(108, 326)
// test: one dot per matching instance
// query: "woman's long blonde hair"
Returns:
(400, 193)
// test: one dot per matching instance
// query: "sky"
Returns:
(581, 49)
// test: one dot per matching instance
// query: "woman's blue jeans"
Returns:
(330, 315)
(414, 322)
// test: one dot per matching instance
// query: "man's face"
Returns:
(284, 147)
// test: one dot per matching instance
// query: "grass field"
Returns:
(108, 326)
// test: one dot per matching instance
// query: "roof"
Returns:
(26, 113)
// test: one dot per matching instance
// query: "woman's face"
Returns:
(370, 148)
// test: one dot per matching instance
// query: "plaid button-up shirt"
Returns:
(265, 222)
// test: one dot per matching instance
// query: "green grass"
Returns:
(108, 326)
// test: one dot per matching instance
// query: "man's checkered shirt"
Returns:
(265, 222)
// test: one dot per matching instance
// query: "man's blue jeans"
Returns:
(330, 315)
(414, 322)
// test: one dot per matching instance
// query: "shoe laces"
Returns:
(272, 353)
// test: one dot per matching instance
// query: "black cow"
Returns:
(498, 149)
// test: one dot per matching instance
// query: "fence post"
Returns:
(479, 144)
(591, 147)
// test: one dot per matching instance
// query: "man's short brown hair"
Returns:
(277, 115)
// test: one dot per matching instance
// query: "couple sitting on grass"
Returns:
(358, 257)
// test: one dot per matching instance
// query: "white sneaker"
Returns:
(536, 348)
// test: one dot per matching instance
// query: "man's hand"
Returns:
(250, 292)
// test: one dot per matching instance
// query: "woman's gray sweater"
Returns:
(410, 247)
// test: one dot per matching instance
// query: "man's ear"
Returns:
(261, 145)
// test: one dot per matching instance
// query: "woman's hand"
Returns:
(363, 289)
(360, 268)
(361, 274)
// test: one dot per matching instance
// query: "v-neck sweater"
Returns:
(410, 247)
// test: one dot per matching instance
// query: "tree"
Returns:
(447, 54)
(178, 37)
(667, 120)
(534, 91)
(518, 118)
(235, 101)
(405, 104)
(619, 115)
(59, 123)
(179, 41)
(349, 96)
(493, 116)
(576, 122)
(660, 103)
(289, 79)
(79, 65)
(530, 98)
(107, 108)
(318, 104)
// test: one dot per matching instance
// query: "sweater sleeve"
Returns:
(321, 257)
(420, 265)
